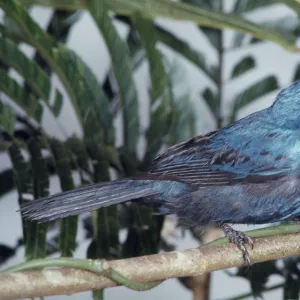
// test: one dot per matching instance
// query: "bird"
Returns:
(245, 173)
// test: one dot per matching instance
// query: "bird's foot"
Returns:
(238, 238)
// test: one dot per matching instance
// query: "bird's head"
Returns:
(286, 108)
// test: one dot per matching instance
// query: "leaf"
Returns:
(183, 48)
(21, 172)
(207, 4)
(77, 147)
(211, 99)
(13, 90)
(58, 103)
(253, 92)
(144, 232)
(258, 275)
(56, 56)
(159, 91)
(7, 181)
(105, 223)
(35, 243)
(286, 25)
(11, 29)
(214, 36)
(186, 12)
(7, 118)
(183, 114)
(62, 22)
(248, 5)
(113, 157)
(98, 295)
(6, 253)
(244, 65)
(204, 18)
(297, 74)
(92, 103)
(68, 226)
(291, 4)
(37, 79)
(291, 288)
(85, 92)
(22, 179)
(122, 70)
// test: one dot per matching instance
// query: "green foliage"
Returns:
(35, 76)
(31, 179)
(12, 89)
(143, 232)
(246, 64)
(121, 65)
(258, 275)
(252, 93)
(36, 233)
(68, 226)
(159, 92)
(291, 288)
(7, 118)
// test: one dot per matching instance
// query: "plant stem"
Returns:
(263, 232)
(95, 266)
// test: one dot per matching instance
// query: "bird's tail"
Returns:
(87, 198)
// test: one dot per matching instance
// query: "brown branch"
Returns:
(190, 262)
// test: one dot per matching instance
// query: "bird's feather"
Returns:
(233, 155)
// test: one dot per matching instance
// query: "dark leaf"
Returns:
(105, 221)
(248, 5)
(6, 253)
(12, 89)
(183, 113)
(144, 232)
(121, 65)
(35, 77)
(214, 36)
(68, 228)
(253, 92)
(23, 180)
(258, 275)
(35, 243)
(297, 74)
(7, 119)
(183, 48)
(244, 65)
(291, 289)
(87, 97)
(57, 105)
(211, 99)
(286, 25)
(212, 18)
(159, 92)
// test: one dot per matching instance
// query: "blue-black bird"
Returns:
(245, 173)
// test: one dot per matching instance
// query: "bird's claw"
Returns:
(239, 239)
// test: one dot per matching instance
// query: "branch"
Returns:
(150, 268)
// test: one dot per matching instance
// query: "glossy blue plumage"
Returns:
(247, 172)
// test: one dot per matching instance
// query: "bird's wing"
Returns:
(215, 159)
